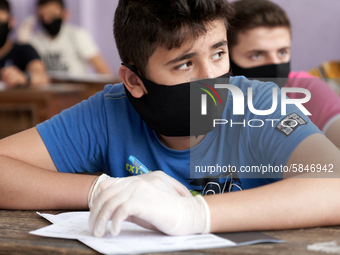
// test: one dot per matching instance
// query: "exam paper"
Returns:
(133, 238)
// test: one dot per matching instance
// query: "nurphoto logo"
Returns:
(238, 98)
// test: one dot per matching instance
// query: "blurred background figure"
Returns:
(260, 47)
(64, 47)
(20, 64)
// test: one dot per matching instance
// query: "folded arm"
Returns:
(307, 200)
(36, 75)
(29, 179)
(332, 133)
(100, 64)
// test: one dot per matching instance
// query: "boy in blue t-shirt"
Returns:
(238, 140)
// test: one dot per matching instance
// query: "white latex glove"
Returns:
(157, 178)
(154, 201)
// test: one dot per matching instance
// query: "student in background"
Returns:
(163, 44)
(259, 47)
(63, 47)
(20, 64)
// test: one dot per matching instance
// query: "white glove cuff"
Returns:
(207, 214)
(93, 188)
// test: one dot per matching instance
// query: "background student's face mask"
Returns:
(53, 27)
(176, 110)
(279, 72)
(4, 31)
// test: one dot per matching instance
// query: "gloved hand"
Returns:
(157, 178)
(154, 200)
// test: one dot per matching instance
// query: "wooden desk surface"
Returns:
(92, 82)
(15, 239)
(23, 108)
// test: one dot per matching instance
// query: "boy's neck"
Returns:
(180, 143)
(6, 48)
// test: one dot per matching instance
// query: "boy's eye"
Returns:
(183, 66)
(218, 55)
(282, 53)
(256, 56)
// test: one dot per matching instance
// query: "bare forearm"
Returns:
(100, 65)
(38, 73)
(39, 79)
(23, 186)
(291, 203)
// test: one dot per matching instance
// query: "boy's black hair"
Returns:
(4, 6)
(42, 2)
(251, 14)
(140, 26)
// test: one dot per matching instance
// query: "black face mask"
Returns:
(4, 31)
(279, 72)
(176, 110)
(53, 27)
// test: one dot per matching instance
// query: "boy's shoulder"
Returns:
(300, 74)
(114, 90)
(74, 30)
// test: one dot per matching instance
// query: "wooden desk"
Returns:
(24, 108)
(15, 239)
(92, 82)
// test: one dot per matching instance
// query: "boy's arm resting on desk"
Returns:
(99, 64)
(38, 73)
(30, 180)
(13, 76)
(332, 132)
(291, 203)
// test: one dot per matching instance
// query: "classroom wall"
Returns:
(316, 30)
(94, 15)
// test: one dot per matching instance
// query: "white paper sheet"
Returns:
(132, 239)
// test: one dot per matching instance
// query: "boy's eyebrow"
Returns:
(256, 51)
(219, 44)
(190, 55)
(285, 48)
(264, 51)
(181, 58)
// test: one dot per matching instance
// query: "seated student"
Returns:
(259, 47)
(20, 64)
(163, 44)
(63, 47)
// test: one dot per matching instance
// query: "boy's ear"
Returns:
(132, 82)
(65, 16)
(11, 22)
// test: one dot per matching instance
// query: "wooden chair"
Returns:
(330, 72)
(328, 69)
(331, 69)
(315, 72)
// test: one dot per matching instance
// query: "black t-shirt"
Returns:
(19, 56)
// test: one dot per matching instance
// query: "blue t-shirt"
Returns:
(99, 135)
